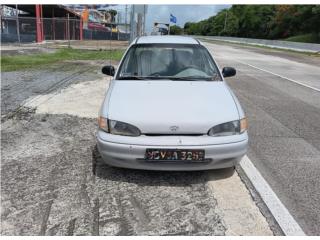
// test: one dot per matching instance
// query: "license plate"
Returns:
(175, 155)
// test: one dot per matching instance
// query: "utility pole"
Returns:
(17, 23)
(68, 29)
(139, 27)
(144, 20)
(119, 21)
(225, 21)
(125, 19)
(132, 23)
(1, 16)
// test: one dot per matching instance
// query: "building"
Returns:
(37, 23)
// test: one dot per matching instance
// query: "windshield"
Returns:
(164, 61)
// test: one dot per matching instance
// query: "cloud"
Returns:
(184, 13)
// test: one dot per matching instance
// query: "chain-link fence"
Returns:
(24, 29)
(61, 29)
(96, 33)
(25, 33)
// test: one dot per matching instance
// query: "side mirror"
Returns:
(228, 71)
(108, 70)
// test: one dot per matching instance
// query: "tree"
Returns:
(176, 30)
(261, 21)
(231, 24)
(191, 28)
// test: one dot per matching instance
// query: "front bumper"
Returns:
(129, 152)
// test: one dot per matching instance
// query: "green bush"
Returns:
(306, 38)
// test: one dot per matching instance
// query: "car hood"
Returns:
(171, 107)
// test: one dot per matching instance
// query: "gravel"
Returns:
(54, 183)
(17, 86)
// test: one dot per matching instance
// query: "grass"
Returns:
(19, 62)
(305, 38)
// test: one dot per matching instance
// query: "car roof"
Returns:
(166, 39)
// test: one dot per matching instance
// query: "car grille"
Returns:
(170, 134)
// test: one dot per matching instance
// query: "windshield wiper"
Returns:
(190, 78)
(140, 78)
(132, 78)
(182, 79)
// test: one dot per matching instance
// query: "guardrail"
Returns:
(295, 46)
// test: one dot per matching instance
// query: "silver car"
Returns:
(169, 108)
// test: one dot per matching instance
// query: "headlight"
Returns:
(121, 128)
(229, 128)
(117, 127)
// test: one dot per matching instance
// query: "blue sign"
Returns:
(173, 18)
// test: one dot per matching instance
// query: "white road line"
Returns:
(289, 79)
(287, 223)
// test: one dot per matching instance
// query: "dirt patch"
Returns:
(10, 51)
(89, 44)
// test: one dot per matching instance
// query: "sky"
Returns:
(161, 13)
(183, 13)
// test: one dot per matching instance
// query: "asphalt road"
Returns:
(284, 117)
